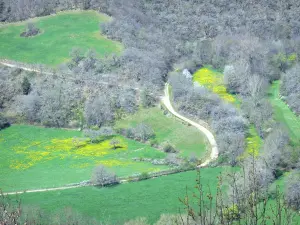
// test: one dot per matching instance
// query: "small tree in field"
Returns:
(114, 143)
(31, 30)
(26, 86)
(102, 176)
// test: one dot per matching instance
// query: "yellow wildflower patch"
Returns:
(63, 148)
(206, 77)
(61, 144)
(19, 165)
(100, 149)
(214, 82)
(253, 143)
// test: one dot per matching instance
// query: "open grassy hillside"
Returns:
(187, 139)
(36, 157)
(284, 114)
(59, 34)
(149, 198)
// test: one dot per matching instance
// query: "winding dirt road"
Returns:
(214, 149)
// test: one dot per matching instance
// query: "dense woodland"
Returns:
(253, 42)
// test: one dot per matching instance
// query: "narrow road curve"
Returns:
(212, 141)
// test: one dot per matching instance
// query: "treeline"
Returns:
(58, 101)
(290, 88)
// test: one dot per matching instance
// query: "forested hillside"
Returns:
(233, 66)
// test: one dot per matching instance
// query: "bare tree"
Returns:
(115, 143)
(102, 176)
(292, 193)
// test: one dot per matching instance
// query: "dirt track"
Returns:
(214, 149)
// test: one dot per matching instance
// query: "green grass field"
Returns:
(149, 198)
(117, 204)
(36, 157)
(284, 114)
(187, 139)
(60, 33)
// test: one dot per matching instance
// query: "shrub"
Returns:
(144, 176)
(102, 176)
(172, 160)
(193, 158)
(142, 132)
(231, 213)
(292, 192)
(115, 143)
(97, 135)
(31, 30)
(26, 86)
(153, 143)
(169, 148)
(3, 122)
(147, 99)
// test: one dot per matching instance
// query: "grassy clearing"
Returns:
(186, 138)
(121, 203)
(60, 33)
(213, 81)
(36, 157)
(253, 143)
(284, 114)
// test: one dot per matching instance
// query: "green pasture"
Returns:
(36, 157)
(117, 204)
(284, 114)
(187, 139)
(59, 34)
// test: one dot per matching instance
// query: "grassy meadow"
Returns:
(284, 114)
(59, 34)
(186, 138)
(36, 157)
(117, 204)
